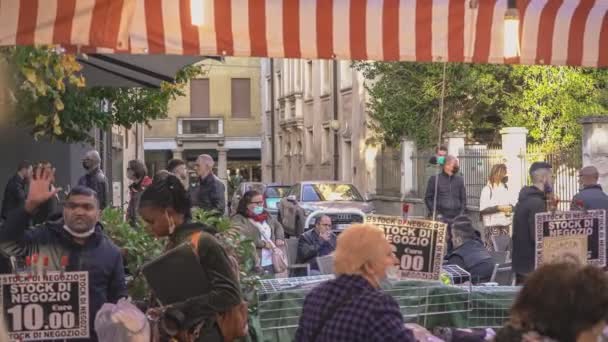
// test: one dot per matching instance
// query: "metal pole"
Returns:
(441, 109)
(272, 128)
(335, 98)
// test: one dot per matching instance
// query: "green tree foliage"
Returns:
(480, 99)
(51, 98)
(550, 100)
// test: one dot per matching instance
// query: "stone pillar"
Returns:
(178, 154)
(595, 146)
(514, 151)
(222, 163)
(408, 167)
(455, 143)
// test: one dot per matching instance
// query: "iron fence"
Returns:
(566, 165)
(475, 166)
(388, 167)
(423, 170)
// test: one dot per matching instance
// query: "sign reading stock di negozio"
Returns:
(53, 306)
(418, 244)
(575, 235)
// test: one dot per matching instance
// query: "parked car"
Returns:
(273, 195)
(343, 200)
(241, 190)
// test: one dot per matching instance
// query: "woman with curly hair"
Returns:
(563, 302)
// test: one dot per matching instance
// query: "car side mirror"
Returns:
(291, 198)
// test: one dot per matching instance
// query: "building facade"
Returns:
(316, 112)
(219, 116)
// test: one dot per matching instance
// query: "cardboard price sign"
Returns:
(50, 307)
(573, 235)
(418, 244)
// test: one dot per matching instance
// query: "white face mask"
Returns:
(80, 235)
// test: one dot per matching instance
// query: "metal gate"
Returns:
(388, 169)
(475, 165)
(566, 165)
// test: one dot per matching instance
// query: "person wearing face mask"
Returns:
(164, 206)
(94, 178)
(446, 195)
(209, 195)
(352, 307)
(77, 237)
(138, 175)
(532, 200)
(260, 227)
(496, 204)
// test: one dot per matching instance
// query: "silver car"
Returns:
(343, 200)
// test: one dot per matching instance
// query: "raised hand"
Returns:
(40, 189)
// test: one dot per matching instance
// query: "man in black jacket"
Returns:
(317, 242)
(592, 196)
(451, 194)
(532, 200)
(94, 179)
(79, 236)
(209, 195)
(469, 252)
(448, 196)
(15, 192)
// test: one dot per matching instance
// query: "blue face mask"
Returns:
(258, 210)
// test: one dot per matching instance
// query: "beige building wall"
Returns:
(306, 128)
(237, 134)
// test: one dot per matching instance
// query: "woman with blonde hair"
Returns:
(352, 307)
(496, 205)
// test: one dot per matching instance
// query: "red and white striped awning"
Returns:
(557, 32)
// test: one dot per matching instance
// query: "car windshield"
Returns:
(277, 191)
(330, 192)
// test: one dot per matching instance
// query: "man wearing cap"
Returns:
(532, 200)
(591, 196)
(469, 252)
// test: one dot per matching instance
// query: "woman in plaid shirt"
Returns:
(352, 307)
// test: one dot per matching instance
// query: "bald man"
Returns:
(209, 194)
(94, 178)
(591, 195)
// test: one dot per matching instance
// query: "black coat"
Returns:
(14, 195)
(311, 246)
(98, 256)
(473, 257)
(451, 195)
(531, 202)
(592, 197)
(209, 195)
(97, 181)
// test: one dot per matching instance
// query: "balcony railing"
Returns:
(200, 127)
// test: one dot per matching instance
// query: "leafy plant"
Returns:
(137, 245)
(235, 242)
(49, 92)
